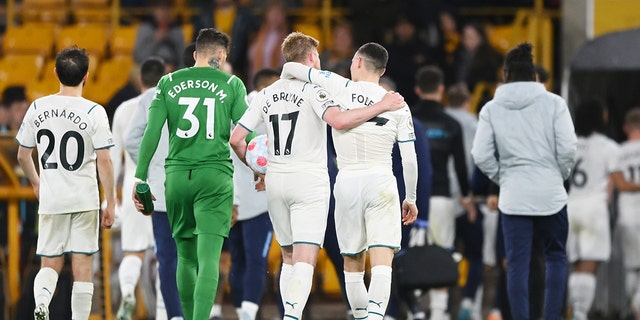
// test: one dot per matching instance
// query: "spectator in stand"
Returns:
(475, 60)
(160, 36)
(337, 58)
(451, 38)
(15, 100)
(234, 20)
(265, 49)
(407, 53)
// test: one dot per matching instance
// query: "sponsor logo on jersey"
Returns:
(324, 73)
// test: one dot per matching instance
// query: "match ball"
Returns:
(257, 154)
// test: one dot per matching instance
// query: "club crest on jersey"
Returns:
(322, 95)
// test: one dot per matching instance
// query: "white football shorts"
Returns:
(589, 234)
(367, 211)
(442, 222)
(298, 206)
(68, 233)
(630, 241)
(136, 231)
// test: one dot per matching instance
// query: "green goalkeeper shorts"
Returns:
(199, 201)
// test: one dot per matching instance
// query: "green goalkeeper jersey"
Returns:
(199, 104)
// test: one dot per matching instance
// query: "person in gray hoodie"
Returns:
(525, 142)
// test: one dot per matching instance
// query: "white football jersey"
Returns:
(596, 159)
(66, 131)
(372, 142)
(292, 111)
(629, 202)
(127, 168)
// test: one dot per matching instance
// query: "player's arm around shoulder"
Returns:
(347, 119)
(327, 79)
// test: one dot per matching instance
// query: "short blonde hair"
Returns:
(297, 45)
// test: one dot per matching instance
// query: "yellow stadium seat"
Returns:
(111, 75)
(187, 32)
(91, 11)
(44, 11)
(28, 39)
(42, 88)
(20, 69)
(92, 37)
(122, 40)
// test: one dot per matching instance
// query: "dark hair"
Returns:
(13, 94)
(458, 94)
(210, 40)
(151, 70)
(262, 78)
(72, 65)
(589, 117)
(375, 56)
(541, 72)
(429, 78)
(187, 55)
(518, 64)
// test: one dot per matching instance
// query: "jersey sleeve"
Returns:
(327, 79)
(240, 101)
(319, 98)
(101, 138)
(26, 136)
(252, 118)
(613, 158)
(406, 132)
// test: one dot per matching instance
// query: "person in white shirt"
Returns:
(136, 229)
(628, 222)
(72, 136)
(367, 205)
(298, 183)
(589, 241)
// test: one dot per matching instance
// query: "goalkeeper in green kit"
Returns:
(199, 103)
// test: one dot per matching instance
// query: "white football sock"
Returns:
(129, 274)
(356, 293)
(438, 302)
(216, 311)
(582, 290)
(285, 277)
(250, 309)
(298, 290)
(81, 295)
(161, 311)
(44, 286)
(379, 291)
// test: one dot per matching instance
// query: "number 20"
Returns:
(191, 104)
